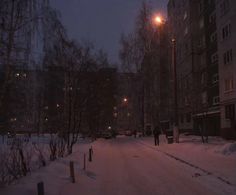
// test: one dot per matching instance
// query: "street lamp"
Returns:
(159, 21)
(115, 114)
(125, 100)
(176, 117)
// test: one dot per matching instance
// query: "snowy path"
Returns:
(124, 166)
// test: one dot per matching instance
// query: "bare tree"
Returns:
(139, 53)
(19, 20)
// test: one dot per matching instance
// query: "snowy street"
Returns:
(116, 97)
(126, 165)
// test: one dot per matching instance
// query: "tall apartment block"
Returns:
(193, 26)
(226, 36)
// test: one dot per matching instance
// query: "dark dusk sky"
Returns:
(102, 21)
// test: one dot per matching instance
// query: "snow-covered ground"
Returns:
(129, 166)
(217, 158)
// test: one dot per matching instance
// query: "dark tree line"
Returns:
(61, 90)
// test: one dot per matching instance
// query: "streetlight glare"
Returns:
(158, 20)
(125, 100)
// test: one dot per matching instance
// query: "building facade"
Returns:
(226, 29)
(128, 109)
(193, 26)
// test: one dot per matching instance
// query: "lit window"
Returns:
(17, 74)
(229, 85)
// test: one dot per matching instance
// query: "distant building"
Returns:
(128, 108)
(226, 36)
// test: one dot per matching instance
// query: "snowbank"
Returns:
(228, 149)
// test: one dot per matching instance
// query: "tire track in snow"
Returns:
(187, 163)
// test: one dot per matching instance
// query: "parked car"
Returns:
(107, 135)
(139, 134)
(11, 134)
(128, 133)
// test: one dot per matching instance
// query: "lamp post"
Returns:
(159, 21)
(176, 115)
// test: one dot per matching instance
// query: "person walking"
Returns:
(156, 134)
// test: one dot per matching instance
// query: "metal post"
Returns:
(72, 173)
(40, 187)
(84, 161)
(90, 154)
(176, 117)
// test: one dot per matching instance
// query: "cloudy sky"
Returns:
(102, 21)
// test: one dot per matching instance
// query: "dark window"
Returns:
(181, 118)
(188, 117)
(228, 57)
(224, 7)
(226, 31)
(212, 18)
(231, 55)
(230, 111)
(200, 7)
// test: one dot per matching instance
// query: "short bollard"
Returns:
(90, 154)
(40, 187)
(72, 173)
(84, 161)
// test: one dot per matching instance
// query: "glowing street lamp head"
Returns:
(158, 20)
(125, 100)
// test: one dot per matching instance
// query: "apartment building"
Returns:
(226, 29)
(193, 25)
(180, 18)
